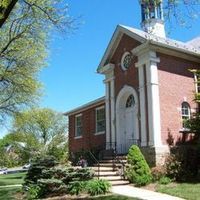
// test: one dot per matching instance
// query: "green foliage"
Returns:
(158, 172)
(98, 187)
(164, 180)
(33, 192)
(23, 50)
(45, 178)
(38, 165)
(76, 187)
(137, 171)
(173, 167)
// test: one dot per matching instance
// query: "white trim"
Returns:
(107, 112)
(100, 133)
(141, 70)
(122, 60)
(153, 100)
(87, 106)
(78, 136)
(112, 101)
(121, 98)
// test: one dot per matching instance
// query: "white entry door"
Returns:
(127, 130)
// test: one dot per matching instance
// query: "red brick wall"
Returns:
(176, 84)
(127, 77)
(89, 140)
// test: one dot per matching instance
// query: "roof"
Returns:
(195, 43)
(86, 106)
(189, 48)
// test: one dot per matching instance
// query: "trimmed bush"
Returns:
(158, 172)
(164, 180)
(37, 166)
(98, 186)
(76, 187)
(137, 171)
(173, 167)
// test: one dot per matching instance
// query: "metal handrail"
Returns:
(98, 164)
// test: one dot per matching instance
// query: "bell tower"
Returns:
(152, 17)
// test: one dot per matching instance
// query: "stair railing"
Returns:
(98, 164)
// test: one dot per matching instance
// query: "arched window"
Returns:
(130, 102)
(185, 111)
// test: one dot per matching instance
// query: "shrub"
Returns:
(76, 187)
(158, 172)
(33, 192)
(164, 180)
(137, 171)
(173, 167)
(50, 186)
(97, 187)
(37, 166)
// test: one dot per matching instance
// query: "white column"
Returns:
(107, 113)
(143, 126)
(113, 121)
(153, 101)
(108, 71)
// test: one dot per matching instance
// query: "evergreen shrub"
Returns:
(137, 171)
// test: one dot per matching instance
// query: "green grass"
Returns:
(9, 193)
(12, 179)
(113, 197)
(184, 190)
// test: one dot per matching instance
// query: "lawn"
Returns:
(184, 190)
(12, 179)
(9, 193)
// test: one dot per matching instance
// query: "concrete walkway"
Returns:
(130, 191)
(8, 186)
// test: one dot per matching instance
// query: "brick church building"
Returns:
(149, 91)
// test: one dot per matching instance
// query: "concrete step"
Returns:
(111, 178)
(118, 157)
(121, 182)
(106, 173)
(102, 169)
(107, 165)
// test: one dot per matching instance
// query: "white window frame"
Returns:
(184, 115)
(77, 136)
(197, 84)
(96, 110)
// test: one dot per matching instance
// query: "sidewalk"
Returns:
(130, 191)
(7, 186)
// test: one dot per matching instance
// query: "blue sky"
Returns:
(70, 79)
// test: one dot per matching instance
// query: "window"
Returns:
(126, 60)
(79, 126)
(100, 120)
(185, 109)
(197, 83)
(130, 101)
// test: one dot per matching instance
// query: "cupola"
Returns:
(152, 17)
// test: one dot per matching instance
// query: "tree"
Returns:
(23, 50)
(193, 124)
(47, 127)
(6, 6)
(180, 12)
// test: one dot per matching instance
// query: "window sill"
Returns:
(100, 133)
(78, 137)
(184, 130)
